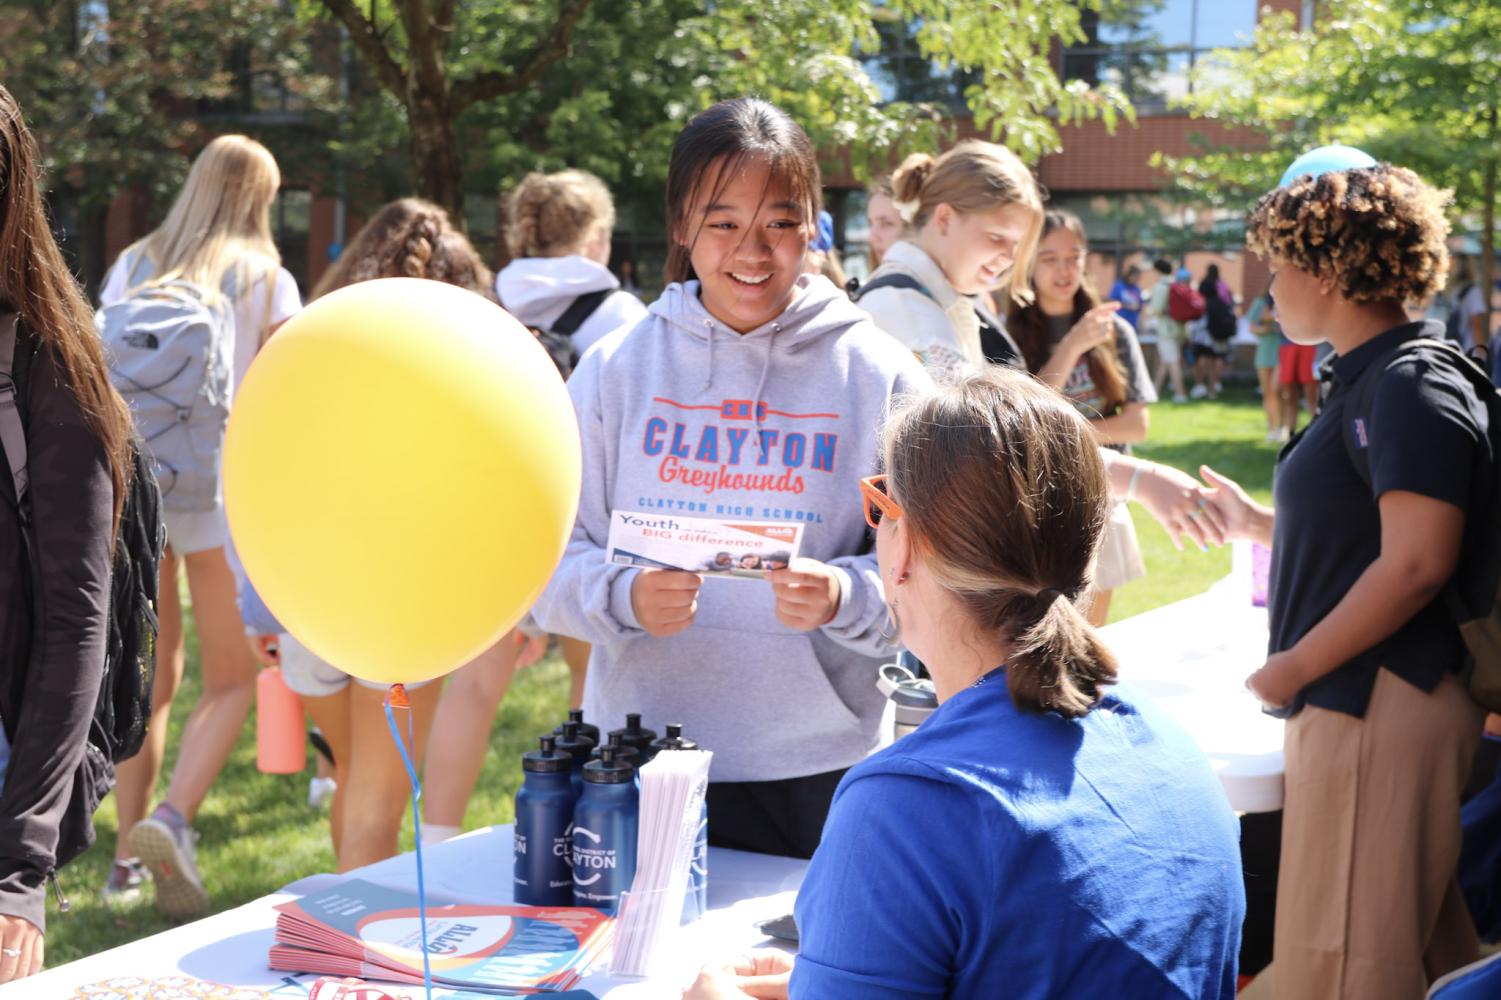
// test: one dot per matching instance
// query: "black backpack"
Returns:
(995, 343)
(1219, 315)
(124, 706)
(558, 339)
(1473, 593)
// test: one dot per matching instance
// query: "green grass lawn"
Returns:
(258, 833)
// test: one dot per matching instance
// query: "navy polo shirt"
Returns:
(1425, 434)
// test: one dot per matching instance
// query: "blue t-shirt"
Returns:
(994, 853)
(1129, 296)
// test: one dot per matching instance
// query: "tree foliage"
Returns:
(1412, 82)
(605, 84)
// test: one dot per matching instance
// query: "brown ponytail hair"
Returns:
(1029, 325)
(36, 282)
(1005, 497)
(550, 215)
(975, 176)
(732, 132)
(409, 238)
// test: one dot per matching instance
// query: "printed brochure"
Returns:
(357, 928)
(712, 546)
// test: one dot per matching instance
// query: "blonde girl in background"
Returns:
(217, 235)
(1081, 347)
(974, 219)
(559, 238)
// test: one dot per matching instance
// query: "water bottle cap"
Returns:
(623, 751)
(674, 740)
(547, 760)
(574, 742)
(608, 770)
(588, 731)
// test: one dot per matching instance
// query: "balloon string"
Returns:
(398, 695)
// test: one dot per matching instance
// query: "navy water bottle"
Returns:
(543, 867)
(623, 753)
(633, 735)
(696, 902)
(576, 716)
(604, 833)
(578, 746)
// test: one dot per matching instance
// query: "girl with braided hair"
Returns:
(408, 238)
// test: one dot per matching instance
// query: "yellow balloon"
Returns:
(401, 474)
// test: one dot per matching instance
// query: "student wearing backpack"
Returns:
(1212, 346)
(1083, 348)
(214, 249)
(973, 216)
(1364, 657)
(54, 575)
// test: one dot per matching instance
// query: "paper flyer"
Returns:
(712, 546)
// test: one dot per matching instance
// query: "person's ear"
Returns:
(943, 217)
(903, 557)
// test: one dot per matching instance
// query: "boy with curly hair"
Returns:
(1364, 659)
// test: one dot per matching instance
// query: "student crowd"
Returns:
(1046, 832)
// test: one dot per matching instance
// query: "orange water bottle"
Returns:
(280, 734)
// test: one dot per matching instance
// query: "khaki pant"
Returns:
(1367, 903)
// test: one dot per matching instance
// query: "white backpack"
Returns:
(170, 346)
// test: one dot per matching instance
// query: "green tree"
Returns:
(115, 93)
(1410, 81)
(489, 86)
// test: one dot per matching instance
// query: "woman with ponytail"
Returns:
(1044, 833)
(54, 572)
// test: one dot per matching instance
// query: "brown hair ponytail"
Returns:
(1005, 496)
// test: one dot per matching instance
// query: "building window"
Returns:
(1150, 48)
(901, 72)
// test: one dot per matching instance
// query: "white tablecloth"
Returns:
(231, 947)
(1192, 658)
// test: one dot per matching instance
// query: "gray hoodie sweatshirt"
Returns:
(667, 425)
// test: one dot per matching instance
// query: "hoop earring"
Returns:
(892, 636)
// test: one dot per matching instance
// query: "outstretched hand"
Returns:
(763, 974)
(1180, 505)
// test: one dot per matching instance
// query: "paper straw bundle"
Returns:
(672, 794)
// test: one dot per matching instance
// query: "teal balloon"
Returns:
(1326, 159)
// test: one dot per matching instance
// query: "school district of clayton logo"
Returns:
(738, 445)
(476, 934)
(597, 858)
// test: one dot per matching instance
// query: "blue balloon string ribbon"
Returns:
(398, 694)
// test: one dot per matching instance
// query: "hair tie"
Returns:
(1047, 596)
(907, 209)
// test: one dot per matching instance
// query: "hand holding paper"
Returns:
(807, 594)
(665, 600)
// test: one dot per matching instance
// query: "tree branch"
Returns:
(424, 51)
(484, 86)
(362, 31)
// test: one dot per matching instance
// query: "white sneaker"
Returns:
(1274, 436)
(1198, 392)
(320, 791)
(1178, 397)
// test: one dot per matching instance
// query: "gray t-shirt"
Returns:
(1080, 387)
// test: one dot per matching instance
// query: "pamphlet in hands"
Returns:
(357, 928)
(712, 546)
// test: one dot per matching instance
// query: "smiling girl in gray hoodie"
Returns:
(750, 391)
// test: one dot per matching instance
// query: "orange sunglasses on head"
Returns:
(878, 502)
